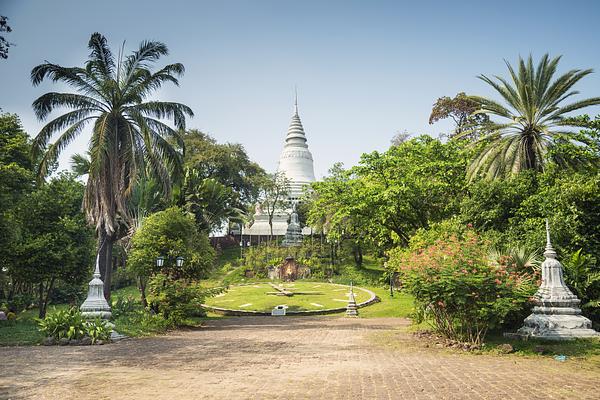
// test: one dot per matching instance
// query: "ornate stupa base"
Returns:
(557, 315)
(555, 327)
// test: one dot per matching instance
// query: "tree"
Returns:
(274, 192)
(170, 234)
(128, 136)
(534, 119)
(461, 109)
(226, 163)
(211, 203)
(390, 195)
(17, 180)
(56, 242)
(4, 44)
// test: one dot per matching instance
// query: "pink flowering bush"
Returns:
(458, 289)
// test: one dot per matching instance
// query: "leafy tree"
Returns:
(273, 195)
(16, 182)
(582, 275)
(128, 135)
(407, 188)
(170, 234)
(534, 119)
(461, 109)
(4, 44)
(226, 163)
(56, 244)
(331, 209)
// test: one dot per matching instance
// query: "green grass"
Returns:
(399, 306)
(256, 297)
(581, 351)
(23, 331)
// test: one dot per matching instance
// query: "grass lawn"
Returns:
(256, 297)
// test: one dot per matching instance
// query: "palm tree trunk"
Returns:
(105, 261)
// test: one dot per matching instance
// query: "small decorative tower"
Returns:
(351, 308)
(95, 305)
(556, 315)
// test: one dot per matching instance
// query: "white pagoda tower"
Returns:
(296, 161)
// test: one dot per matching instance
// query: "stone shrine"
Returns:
(95, 305)
(556, 314)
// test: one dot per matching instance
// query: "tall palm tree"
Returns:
(533, 120)
(127, 136)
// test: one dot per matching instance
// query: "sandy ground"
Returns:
(284, 358)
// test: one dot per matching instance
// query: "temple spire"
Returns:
(550, 252)
(296, 100)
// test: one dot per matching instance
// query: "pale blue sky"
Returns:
(364, 69)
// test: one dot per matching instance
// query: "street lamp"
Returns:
(179, 261)
(160, 261)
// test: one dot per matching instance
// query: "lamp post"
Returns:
(160, 261)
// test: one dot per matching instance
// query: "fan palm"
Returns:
(534, 119)
(128, 134)
(210, 202)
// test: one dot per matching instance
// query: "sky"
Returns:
(365, 70)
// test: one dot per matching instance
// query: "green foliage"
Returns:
(67, 323)
(458, 290)
(175, 300)
(582, 275)
(97, 329)
(211, 203)
(170, 233)
(123, 305)
(228, 164)
(533, 121)
(388, 196)
(56, 242)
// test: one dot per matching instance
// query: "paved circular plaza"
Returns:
(284, 358)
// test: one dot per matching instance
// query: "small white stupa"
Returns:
(556, 315)
(95, 305)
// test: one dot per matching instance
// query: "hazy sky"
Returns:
(364, 69)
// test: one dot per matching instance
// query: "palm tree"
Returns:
(127, 137)
(534, 119)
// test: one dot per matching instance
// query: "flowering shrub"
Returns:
(458, 289)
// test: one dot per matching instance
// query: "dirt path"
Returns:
(283, 358)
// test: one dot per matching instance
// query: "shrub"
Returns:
(459, 290)
(66, 323)
(70, 324)
(123, 305)
(97, 329)
(175, 300)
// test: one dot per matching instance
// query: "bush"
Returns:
(70, 324)
(123, 305)
(63, 324)
(175, 300)
(459, 290)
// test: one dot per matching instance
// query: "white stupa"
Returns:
(296, 161)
